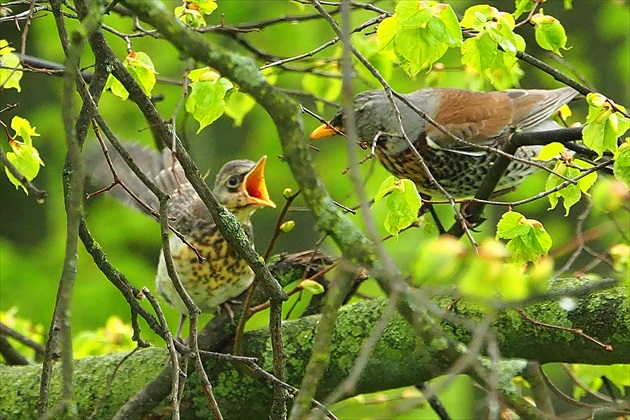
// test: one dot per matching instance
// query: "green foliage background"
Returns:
(32, 236)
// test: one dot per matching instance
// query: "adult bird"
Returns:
(472, 119)
(239, 186)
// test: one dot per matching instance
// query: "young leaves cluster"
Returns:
(528, 239)
(493, 29)
(420, 33)
(24, 156)
(569, 168)
(141, 67)
(192, 12)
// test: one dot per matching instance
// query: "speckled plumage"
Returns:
(223, 275)
(478, 118)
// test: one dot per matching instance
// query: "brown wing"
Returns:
(486, 118)
(476, 117)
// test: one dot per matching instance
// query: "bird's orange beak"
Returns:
(324, 130)
(255, 186)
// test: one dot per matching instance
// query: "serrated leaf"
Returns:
(403, 204)
(528, 238)
(419, 48)
(10, 67)
(511, 225)
(550, 151)
(586, 182)
(206, 101)
(452, 31)
(603, 124)
(24, 156)
(571, 193)
(549, 33)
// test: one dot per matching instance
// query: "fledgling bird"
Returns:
(480, 118)
(239, 186)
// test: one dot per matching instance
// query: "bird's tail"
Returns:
(162, 168)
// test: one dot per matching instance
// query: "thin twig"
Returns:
(574, 331)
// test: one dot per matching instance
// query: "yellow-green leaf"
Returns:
(549, 33)
(10, 67)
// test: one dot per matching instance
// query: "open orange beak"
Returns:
(255, 186)
(323, 131)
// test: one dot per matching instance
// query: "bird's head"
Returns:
(240, 186)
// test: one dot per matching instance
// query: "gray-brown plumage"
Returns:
(478, 118)
(239, 186)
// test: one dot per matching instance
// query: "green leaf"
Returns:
(522, 6)
(206, 101)
(419, 48)
(603, 124)
(239, 105)
(386, 32)
(386, 187)
(528, 238)
(511, 225)
(502, 32)
(550, 151)
(403, 203)
(413, 14)
(192, 12)
(141, 68)
(116, 87)
(621, 166)
(10, 71)
(24, 156)
(475, 17)
(549, 33)
(479, 52)
(571, 193)
(591, 375)
(23, 129)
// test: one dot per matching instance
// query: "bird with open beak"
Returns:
(239, 186)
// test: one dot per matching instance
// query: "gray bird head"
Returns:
(240, 186)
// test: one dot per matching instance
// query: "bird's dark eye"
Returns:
(232, 181)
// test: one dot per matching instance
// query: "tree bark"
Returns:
(399, 358)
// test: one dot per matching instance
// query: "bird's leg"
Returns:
(227, 307)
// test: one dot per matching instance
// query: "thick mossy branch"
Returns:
(399, 358)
